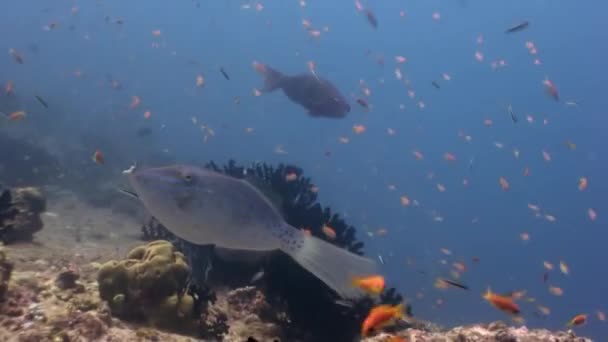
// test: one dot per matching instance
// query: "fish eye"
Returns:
(187, 177)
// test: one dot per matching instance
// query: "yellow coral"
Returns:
(150, 285)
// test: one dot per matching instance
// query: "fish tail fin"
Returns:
(272, 77)
(331, 264)
(488, 294)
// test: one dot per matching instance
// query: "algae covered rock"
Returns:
(20, 211)
(150, 284)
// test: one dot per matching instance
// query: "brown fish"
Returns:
(319, 96)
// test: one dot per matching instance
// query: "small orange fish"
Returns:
(551, 89)
(446, 251)
(556, 291)
(564, 267)
(582, 183)
(592, 214)
(381, 316)
(358, 129)
(405, 201)
(418, 155)
(16, 116)
(577, 320)
(372, 284)
(135, 102)
(16, 55)
(381, 231)
(503, 303)
(449, 157)
(9, 88)
(290, 177)
(504, 184)
(544, 310)
(147, 114)
(98, 157)
(329, 232)
(307, 232)
(200, 81)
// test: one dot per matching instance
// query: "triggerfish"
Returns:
(205, 207)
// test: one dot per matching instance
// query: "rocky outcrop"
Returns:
(20, 210)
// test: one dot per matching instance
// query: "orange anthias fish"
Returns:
(16, 116)
(503, 303)
(371, 284)
(98, 157)
(381, 316)
(577, 320)
(329, 232)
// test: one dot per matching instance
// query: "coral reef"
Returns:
(20, 210)
(242, 314)
(310, 305)
(53, 296)
(6, 268)
(493, 332)
(151, 284)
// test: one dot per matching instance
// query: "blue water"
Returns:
(479, 220)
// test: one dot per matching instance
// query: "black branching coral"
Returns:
(315, 311)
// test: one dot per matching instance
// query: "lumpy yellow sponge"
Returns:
(150, 284)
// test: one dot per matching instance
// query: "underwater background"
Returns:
(433, 146)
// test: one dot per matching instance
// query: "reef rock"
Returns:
(6, 268)
(150, 285)
(244, 314)
(493, 332)
(20, 210)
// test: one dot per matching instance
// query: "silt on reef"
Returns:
(20, 211)
(311, 306)
(150, 285)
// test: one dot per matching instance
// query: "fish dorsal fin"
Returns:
(266, 189)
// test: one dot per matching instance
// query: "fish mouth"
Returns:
(153, 180)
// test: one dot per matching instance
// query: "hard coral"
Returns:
(150, 285)
(20, 211)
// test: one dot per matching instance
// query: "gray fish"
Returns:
(319, 96)
(209, 208)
